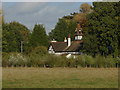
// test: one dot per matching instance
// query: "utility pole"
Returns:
(21, 46)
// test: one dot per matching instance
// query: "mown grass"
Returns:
(60, 77)
(0, 77)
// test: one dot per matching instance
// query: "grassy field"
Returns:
(60, 78)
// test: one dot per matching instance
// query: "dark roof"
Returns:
(75, 46)
(59, 46)
(62, 46)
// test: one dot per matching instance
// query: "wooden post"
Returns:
(21, 46)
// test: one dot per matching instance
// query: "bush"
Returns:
(85, 61)
(80, 61)
(100, 61)
(36, 57)
(110, 61)
(89, 60)
(41, 50)
(5, 59)
(55, 61)
(40, 58)
(34, 60)
(17, 59)
(14, 59)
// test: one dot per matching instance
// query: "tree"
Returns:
(103, 29)
(85, 8)
(1, 29)
(81, 17)
(1, 17)
(13, 35)
(67, 24)
(40, 50)
(63, 29)
(38, 36)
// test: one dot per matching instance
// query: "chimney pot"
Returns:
(65, 40)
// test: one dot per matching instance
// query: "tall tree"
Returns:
(38, 36)
(103, 26)
(62, 29)
(13, 34)
(81, 17)
(85, 8)
(67, 24)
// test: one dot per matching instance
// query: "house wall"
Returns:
(50, 50)
(60, 53)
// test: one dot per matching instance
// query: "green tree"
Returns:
(40, 50)
(102, 29)
(63, 29)
(67, 24)
(12, 35)
(1, 17)
(38, 36)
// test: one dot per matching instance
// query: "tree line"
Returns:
(24, 47)
(16, 35)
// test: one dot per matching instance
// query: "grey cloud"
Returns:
(43, 13)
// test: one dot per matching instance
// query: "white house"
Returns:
(68, 47)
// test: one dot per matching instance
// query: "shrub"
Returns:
(110, 61)
(13, 59)
(80, 61)
(5, 58)
(89, 60)
(41, 50)
(17, 59)
(34, 60)
(55, 61)
(40, 58)
(36, 57)
(85, 60)
(100, 61)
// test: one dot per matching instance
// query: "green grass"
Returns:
(60, 78)
(0, 78)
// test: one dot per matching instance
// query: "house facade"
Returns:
(68, 47)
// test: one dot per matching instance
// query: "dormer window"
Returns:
(78, 32)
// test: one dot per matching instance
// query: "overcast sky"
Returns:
(31, 13)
